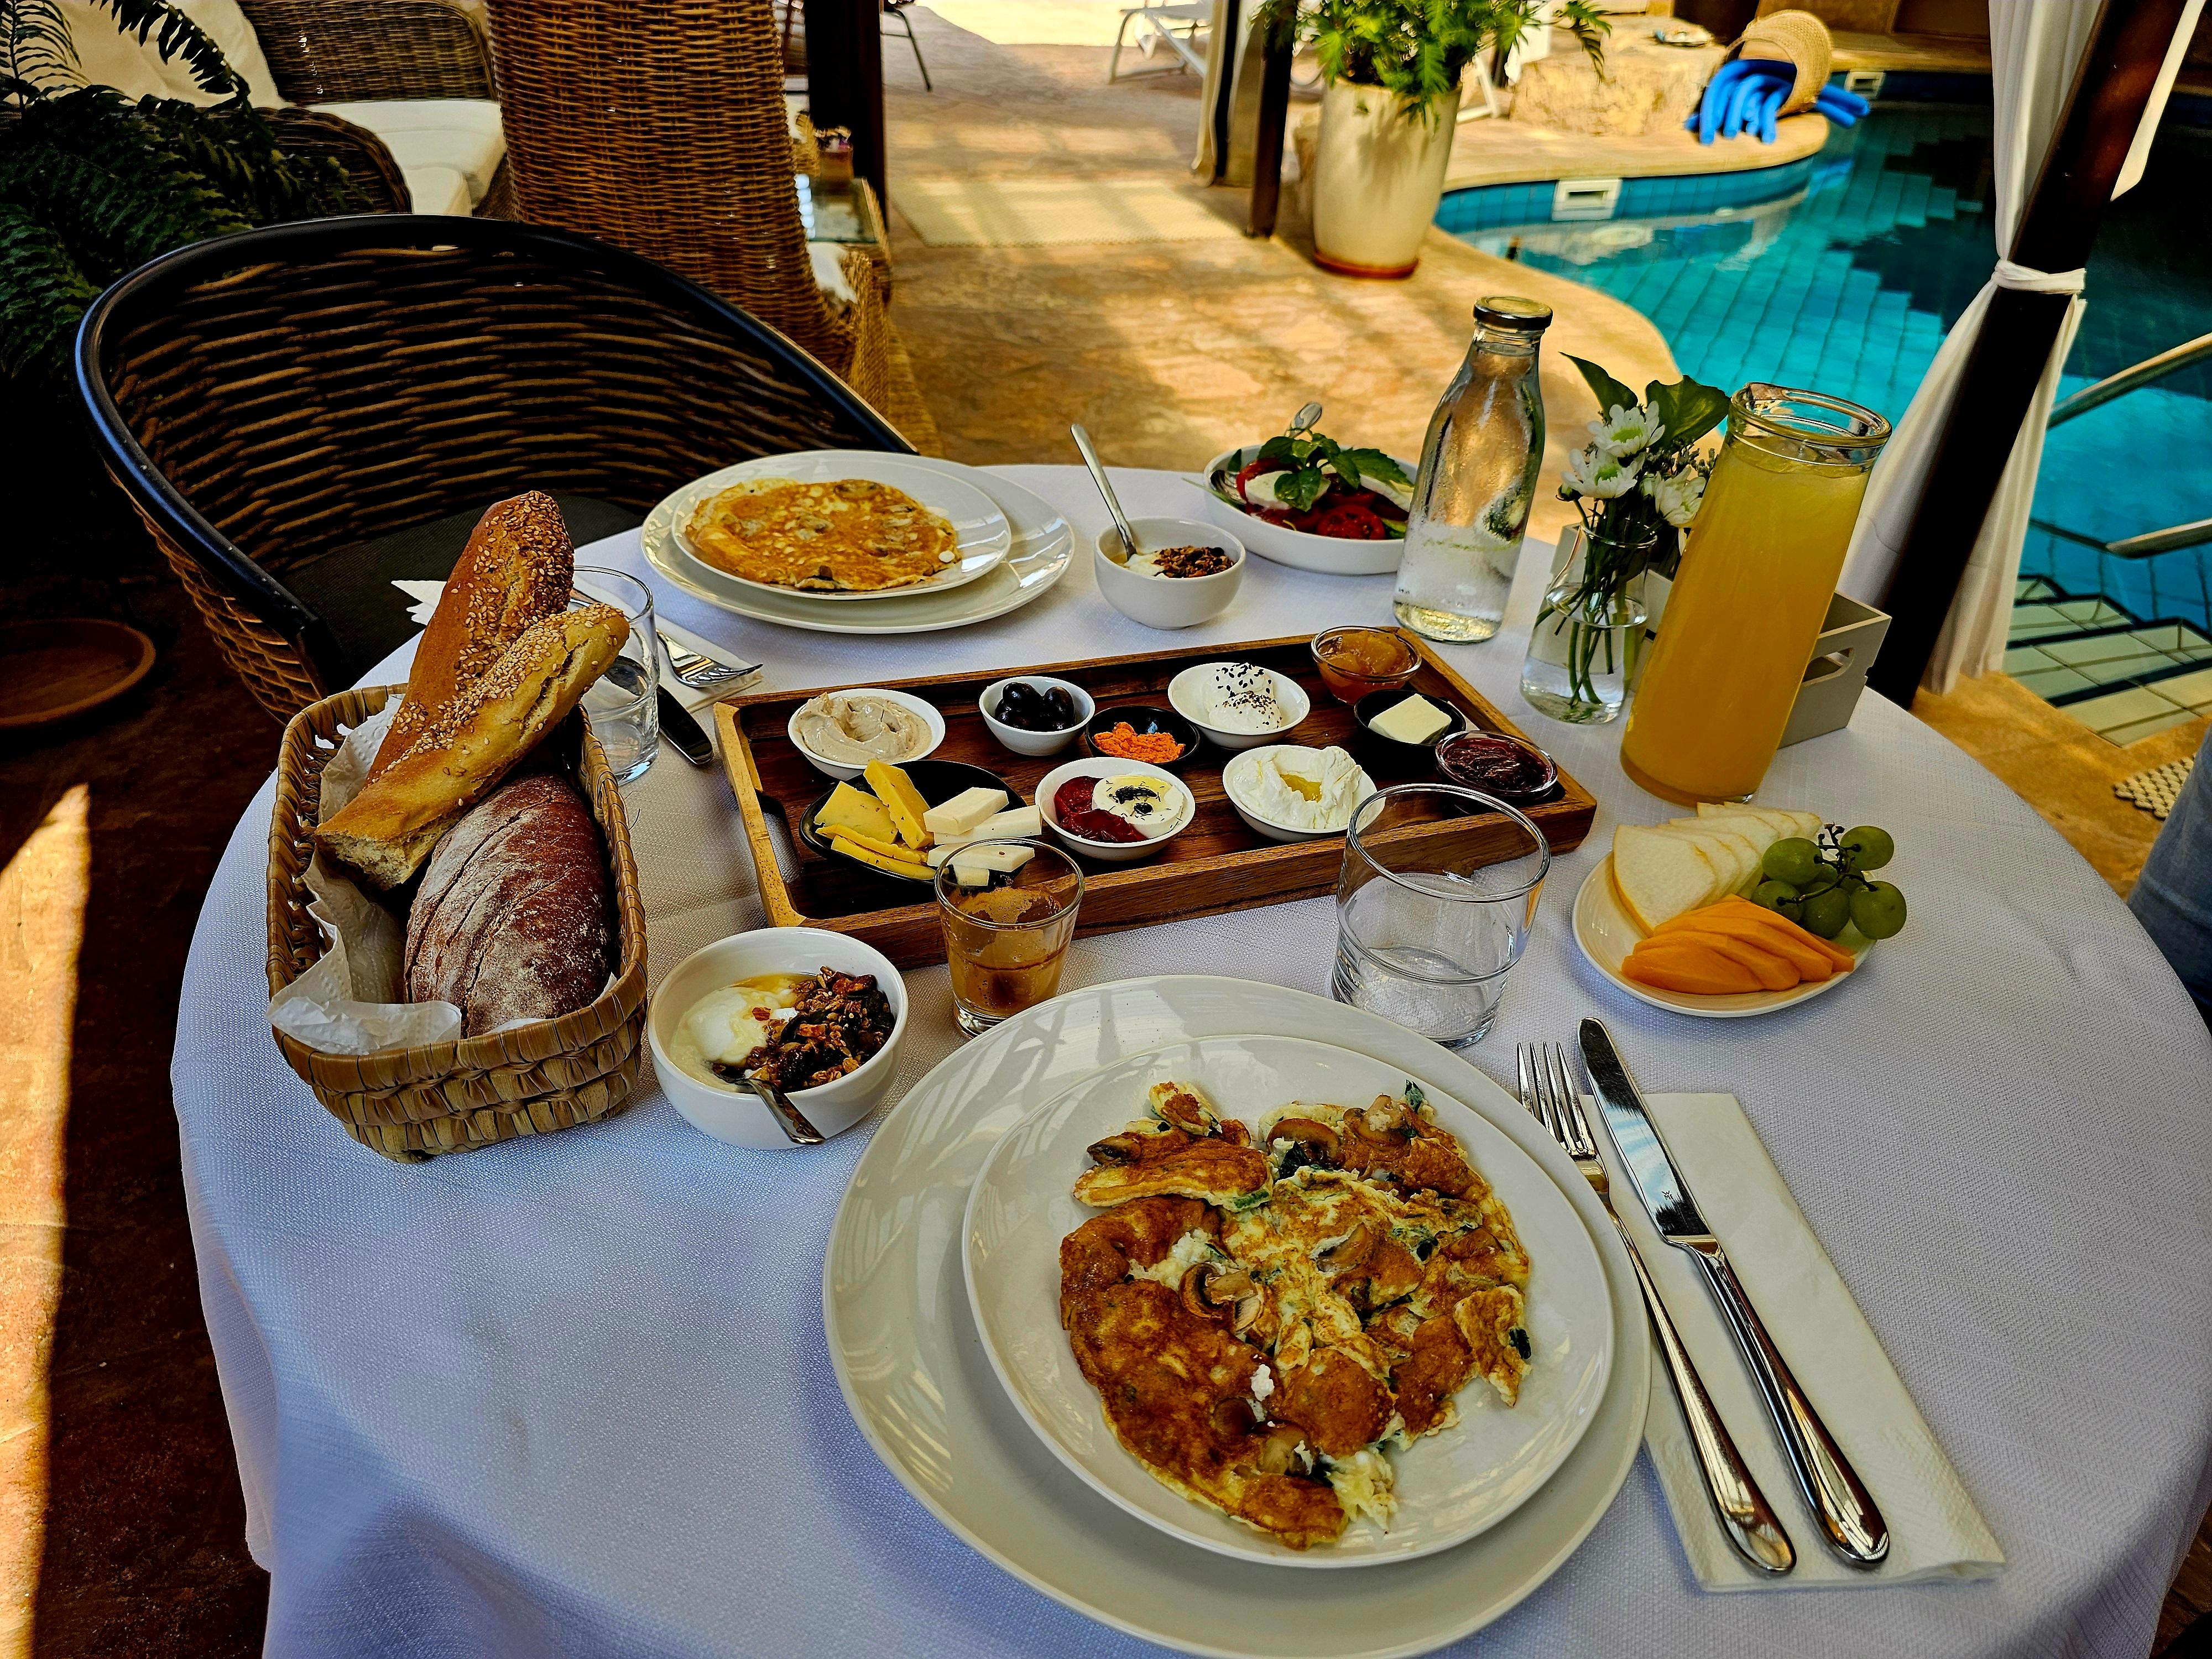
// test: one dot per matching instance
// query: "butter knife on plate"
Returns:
(1849, 1521)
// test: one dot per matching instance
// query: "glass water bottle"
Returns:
(1478, 477)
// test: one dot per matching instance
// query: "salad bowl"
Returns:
(1331, 555)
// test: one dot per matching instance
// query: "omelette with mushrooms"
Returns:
(843, 535)
(1264, 1316)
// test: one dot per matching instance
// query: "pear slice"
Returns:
(1660, 875)
(1759, 832)
(1730, 855)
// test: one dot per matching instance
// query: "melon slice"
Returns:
(1660, 875)
(1773, 970)
(1748, 854)
(1689, 968)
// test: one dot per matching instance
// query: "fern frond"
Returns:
(37, 52)
(42, 293)
(176, 35)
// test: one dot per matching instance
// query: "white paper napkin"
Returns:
(1936, 1532)
(424, 598)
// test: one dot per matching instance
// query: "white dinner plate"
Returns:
(904, 1344)
(976, 519)
(1451, 1485)
(1043, 548)
(1606, 935)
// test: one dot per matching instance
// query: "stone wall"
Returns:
(1645, 88)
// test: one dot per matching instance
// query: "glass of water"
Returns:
(623, 705)
(1428, 926)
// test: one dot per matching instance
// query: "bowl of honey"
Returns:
(1355, 660)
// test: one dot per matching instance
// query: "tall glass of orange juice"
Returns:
(1752, 591)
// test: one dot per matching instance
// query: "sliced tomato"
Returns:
(1351, 520)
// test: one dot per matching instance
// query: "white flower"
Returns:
(1626, 431)
(1677, 498)
(1597, 474)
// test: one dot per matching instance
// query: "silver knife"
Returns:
(1852, 1525)
(690, 738)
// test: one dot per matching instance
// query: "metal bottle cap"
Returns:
(1509, 311)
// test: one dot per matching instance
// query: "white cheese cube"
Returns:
(1006, 859)
(970, 875)
(1415, 721)
(960, 815)
(1016, 823)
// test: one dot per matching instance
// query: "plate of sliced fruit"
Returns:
(1738, 911)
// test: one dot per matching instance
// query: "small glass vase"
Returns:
(1584, 643)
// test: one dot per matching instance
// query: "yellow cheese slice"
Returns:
(902, 799)
(852, 849)
(848, 808)
(890, 850)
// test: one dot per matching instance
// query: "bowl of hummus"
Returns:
(1286, 791)
(840, 731)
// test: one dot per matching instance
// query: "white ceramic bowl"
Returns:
(1167, 601)
(741, 1118)
(1288, 692)
(1237, 776)
(1034, 742)
(838, 769)
(1105, 766)
(1331, 556)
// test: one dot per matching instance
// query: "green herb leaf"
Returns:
(1373, 463)
(1300, 490)
(1284, 449)
(1611, 393)
(1689, 409)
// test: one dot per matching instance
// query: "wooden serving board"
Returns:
(1213, 865)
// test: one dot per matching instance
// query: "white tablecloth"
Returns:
(571, 1396)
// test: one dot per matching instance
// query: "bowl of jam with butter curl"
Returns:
(1512, 769)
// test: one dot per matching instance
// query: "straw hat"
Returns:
(1795, 38)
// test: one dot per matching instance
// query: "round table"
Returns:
(571, 1395)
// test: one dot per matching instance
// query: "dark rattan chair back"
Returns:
(268, 398)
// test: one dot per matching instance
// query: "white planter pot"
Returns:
(1377, 179)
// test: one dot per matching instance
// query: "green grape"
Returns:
(1792, 860)
(1823, 877)
(1773, 894)
(1878, 912)
(1868, 847)
(1824, 913)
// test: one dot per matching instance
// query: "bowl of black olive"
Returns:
(1034, 713)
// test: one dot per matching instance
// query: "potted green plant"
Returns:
(1390, 70)
(1637, 488)
(94, 183)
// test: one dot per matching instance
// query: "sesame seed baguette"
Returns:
(388, 830)
(516, 570)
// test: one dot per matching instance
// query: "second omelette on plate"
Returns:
(847, 535)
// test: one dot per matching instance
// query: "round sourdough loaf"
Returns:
(513, 920)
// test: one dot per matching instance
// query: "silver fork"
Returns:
(1547, 1091)
(702, 673)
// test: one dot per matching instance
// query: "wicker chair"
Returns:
(661, 128)
(274, 396)
(328, 52)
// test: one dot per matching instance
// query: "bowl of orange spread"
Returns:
(1140, 731)
(1354, 661)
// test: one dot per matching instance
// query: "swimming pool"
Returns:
(1844, 271)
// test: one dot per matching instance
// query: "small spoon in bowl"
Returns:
(789, 1117)
(1098, 476)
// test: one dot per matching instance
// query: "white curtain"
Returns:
(1232, 75)
(2035, 46)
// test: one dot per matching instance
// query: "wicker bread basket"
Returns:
(413, 1104)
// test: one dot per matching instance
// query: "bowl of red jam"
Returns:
(1148, 809)
(1511, 768)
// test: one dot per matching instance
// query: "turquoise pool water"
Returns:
(1844, 271)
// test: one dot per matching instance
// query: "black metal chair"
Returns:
(301, 412)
